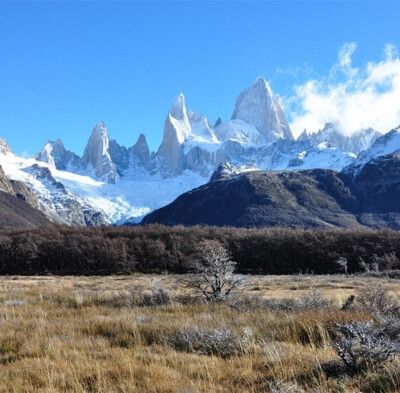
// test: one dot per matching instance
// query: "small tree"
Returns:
(342, 264)
(213, 271)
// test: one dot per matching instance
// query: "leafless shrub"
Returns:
(158, 296)
(389, 261)
(15, 302)
(363, 344)
(379, 301)
(390, 325)
(246, 302)
(219, 342)
(283, 387)
(214, 271)
(341, 264)
(363, 266)
(313, 300)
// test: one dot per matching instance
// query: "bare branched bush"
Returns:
(312, 300)
(283, 387)
(213, 273)
(219, 342)
(363, 266)
(341, 264)
(158, 296)
(379, 301)
(363, 344)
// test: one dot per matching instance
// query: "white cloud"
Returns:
(345, 53)
(354, 98)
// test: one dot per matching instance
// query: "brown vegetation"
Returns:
(105, 334)
(156, 248)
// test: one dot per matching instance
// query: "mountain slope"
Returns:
(307, 199)
(15, 211)
(315, 198)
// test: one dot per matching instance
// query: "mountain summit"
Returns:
(257, 106)
(96, 155)
(176, 130)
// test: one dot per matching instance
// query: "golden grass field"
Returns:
(86, 334)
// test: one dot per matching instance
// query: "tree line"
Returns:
(67, 250)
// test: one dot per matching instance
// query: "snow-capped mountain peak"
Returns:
(257, 106)
(4, 148)
(176, 130)
(355, 143)
(385, 144)
(57, 156)
(303, 136)
(96, 156)
(178, 108)
(141, 150)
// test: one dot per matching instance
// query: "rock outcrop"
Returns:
(97, 157)
(257, 106)
(55, 154)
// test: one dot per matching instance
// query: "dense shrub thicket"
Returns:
(156, 248)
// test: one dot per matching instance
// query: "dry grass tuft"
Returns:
(134, 334)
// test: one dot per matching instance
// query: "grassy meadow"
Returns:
(147, 333)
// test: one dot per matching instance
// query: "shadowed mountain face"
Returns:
(18, 206)
(307, 199)
(16, 213)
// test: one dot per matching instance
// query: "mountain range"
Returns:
(113, 184)
(366, 197)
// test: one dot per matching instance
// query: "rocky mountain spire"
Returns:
(257, 106)
(55, 154)
(176, 130)
(141, 150)
(96, 155)
(4, 148)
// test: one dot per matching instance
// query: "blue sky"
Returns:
(65, 66)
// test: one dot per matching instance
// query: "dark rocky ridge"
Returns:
(18, 206)
(306, 199)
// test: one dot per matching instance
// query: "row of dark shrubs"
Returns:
(155, 248)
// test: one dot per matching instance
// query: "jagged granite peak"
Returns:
(178, 108)
(201, 129)
(218, 122)
(385, 144)
(304, 136)
(176, 130)
(4, 148)
(257, 106)
(55, 154)
(287, 133)
(354, 143)
(96, 155)
(120, 157)
(141, 150)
